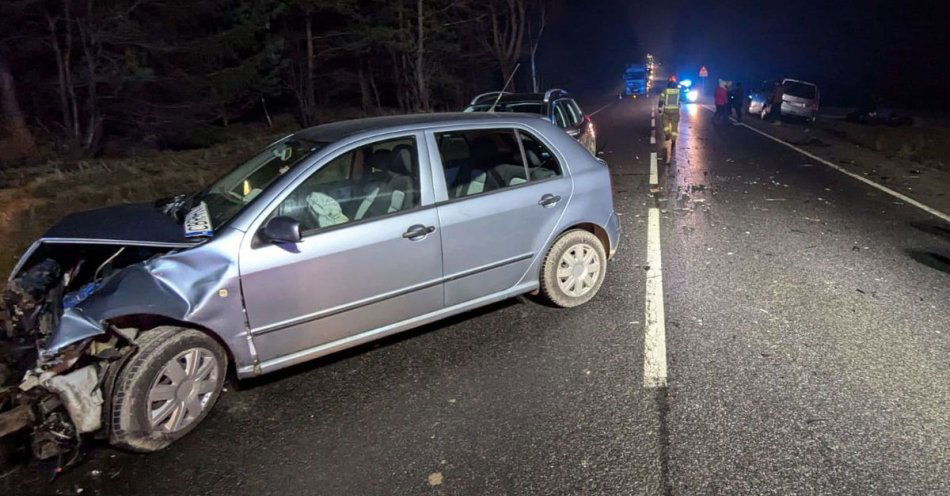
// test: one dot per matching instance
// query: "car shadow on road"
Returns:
(930, 259)
(279, 375)
(933, 229)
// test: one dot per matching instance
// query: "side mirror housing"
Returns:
(281, 229)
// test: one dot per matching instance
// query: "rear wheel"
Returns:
(166, 389)
(574, 269)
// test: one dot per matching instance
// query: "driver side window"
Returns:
(373, 180)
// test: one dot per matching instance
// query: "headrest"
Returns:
(484, 151)
(401, 160)
(379, 160)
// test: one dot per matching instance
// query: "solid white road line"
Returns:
(895, 194)
(654, 343)
(653, 175)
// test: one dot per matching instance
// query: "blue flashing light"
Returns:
(686, 83)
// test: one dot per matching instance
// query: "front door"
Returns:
(370, 256)
(505, 194)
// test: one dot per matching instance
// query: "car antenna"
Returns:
(502, 92)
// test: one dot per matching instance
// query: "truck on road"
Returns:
(636, 79)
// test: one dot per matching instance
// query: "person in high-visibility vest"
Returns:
(669, 107)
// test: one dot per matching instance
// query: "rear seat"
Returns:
(488, 171)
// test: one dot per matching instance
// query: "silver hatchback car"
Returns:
(331, 237)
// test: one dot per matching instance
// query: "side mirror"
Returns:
(281, 229)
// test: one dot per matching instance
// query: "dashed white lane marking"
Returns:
(654, 343)
(652, 122)
(653, 174)
(842, 170)
(652, 138)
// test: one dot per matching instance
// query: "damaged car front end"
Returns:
(121, 323)
(73, 312)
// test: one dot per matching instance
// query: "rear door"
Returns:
(496, 212)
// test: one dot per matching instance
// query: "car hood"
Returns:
(132, 224)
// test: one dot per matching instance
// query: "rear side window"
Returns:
(560, 117)
(577, 110)
(480, 160)
(542, 164)
(801, 90)
(571, 117)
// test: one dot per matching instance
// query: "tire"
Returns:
(204, 365)
(573, 243)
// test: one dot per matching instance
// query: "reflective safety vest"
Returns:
(671, 99)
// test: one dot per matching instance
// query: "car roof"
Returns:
(522, 97)
(336, 131)
(789, 80)
(553, 93)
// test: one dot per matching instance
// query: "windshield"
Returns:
(526, 107)
(229, 194)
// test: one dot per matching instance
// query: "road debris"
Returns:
(435, 478)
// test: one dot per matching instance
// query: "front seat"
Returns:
(373, 184)
(401, 184)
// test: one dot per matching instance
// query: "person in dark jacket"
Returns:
(736, 100)
(775, 106)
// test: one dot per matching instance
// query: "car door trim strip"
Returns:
(385, 296)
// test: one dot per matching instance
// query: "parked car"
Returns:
(554, 105)
(124, 321)
(800, 99)
(759, 97)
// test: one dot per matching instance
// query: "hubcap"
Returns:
(182, 390)
(578, 270)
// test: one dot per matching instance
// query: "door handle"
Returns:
(418, 231)
(549, 200)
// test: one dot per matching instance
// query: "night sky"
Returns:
(899, 51)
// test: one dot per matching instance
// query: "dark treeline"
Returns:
(75, 74)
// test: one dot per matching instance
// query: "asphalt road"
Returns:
(807, 324)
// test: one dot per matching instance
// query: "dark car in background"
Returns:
(800, 99)
(759, 98)
(555, 105)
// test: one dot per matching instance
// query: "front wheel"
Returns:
(166, 389)
(574, 269)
